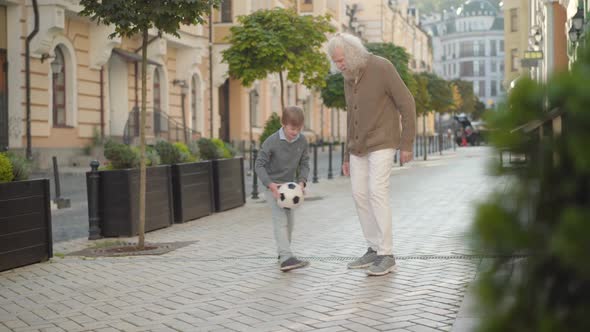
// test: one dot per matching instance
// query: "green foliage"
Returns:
(273, 123)
(21, 167)
(6, 174)
(131, 17)
(440, 93)
(193, 148)
(333, 92)
(467, 96)
(544, 213)
(121, 156)
(208, 150)
(278, 40)
(173, 153)
(422, 97)
(152, 158)
(222, 147)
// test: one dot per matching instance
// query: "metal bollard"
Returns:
(255, 178)
(62, 203)
(342, 158)
(315, 163)
(93, 202)
(330, 160)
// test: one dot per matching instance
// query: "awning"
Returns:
(132, 57)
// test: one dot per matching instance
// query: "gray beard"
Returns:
(349, 75)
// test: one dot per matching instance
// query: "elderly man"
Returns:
(376, 100)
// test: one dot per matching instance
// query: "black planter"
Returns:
(192, 186)
(228, 183)
(119, 201)
(25, 223)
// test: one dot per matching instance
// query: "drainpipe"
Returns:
(102, 101)
(28, 76)
(211, 72)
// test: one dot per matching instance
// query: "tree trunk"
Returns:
(282, 92)
(424, 136)
(142, 171)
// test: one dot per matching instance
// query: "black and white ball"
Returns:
(290, 195)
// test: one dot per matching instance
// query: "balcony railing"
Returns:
(158, 125)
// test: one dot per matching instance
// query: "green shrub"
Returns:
(221, 146)
(21, 167)
(544, 214)
(209, 150)
(5, 169)
(271, 126)
(121, 156)
(152, 158)
(186, 155)
(193, 147)
(173, 153)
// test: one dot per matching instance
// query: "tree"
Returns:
(423, 103)
(543, 214)
(333, 92)
(467, 96)
(135, 17)
(278, 40)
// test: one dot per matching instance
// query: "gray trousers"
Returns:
(282, 223)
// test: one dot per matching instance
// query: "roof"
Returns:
(477, 8)
(132, 57)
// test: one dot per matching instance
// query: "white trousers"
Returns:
(369, 176)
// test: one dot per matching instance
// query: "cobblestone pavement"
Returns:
(229, 280)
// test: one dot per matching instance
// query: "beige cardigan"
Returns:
(375, 105)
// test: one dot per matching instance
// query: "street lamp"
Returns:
(577, 24)
(56, 67)
(253, 103)
(183, 91)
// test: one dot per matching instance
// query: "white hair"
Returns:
(355, 53)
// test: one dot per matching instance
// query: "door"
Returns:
(224, 111)
(3, 101)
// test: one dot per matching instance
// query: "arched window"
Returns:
(195, 102)
(59, 89)
(157, 92)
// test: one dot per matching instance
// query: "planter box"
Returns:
(192, 186)
(119, 201)
(228, 183)
(25, 223)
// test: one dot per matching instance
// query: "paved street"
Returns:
(228, 280)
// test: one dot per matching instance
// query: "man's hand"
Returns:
(302, 185)
(274, 188)
(346, 168)
(406, 156)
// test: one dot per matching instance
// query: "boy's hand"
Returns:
(274, 188)
(302, 185)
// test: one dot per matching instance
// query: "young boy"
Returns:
(283, 158)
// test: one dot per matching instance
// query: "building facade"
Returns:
(468, 44)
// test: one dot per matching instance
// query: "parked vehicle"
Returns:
(469, 133)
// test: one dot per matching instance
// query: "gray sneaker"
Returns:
(382, 265)
(365, 261)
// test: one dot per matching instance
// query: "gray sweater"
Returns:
(281, 161)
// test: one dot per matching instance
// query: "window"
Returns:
(513, 20)
(493, 48)
(195, 102)
(501, 46)
(466, 49)
(59, 91)
(157, 92)
(494, 88)
(501, 70)
(308, 2)
(226, 11)
(480, 48)
(514, 60)
(466, 68)
(493, 65)
(482, 89)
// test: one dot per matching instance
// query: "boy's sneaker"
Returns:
(293, 263)
(365, 261)
(382, 265)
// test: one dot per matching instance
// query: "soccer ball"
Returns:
(290, 195)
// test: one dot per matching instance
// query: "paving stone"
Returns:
(228, 278)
